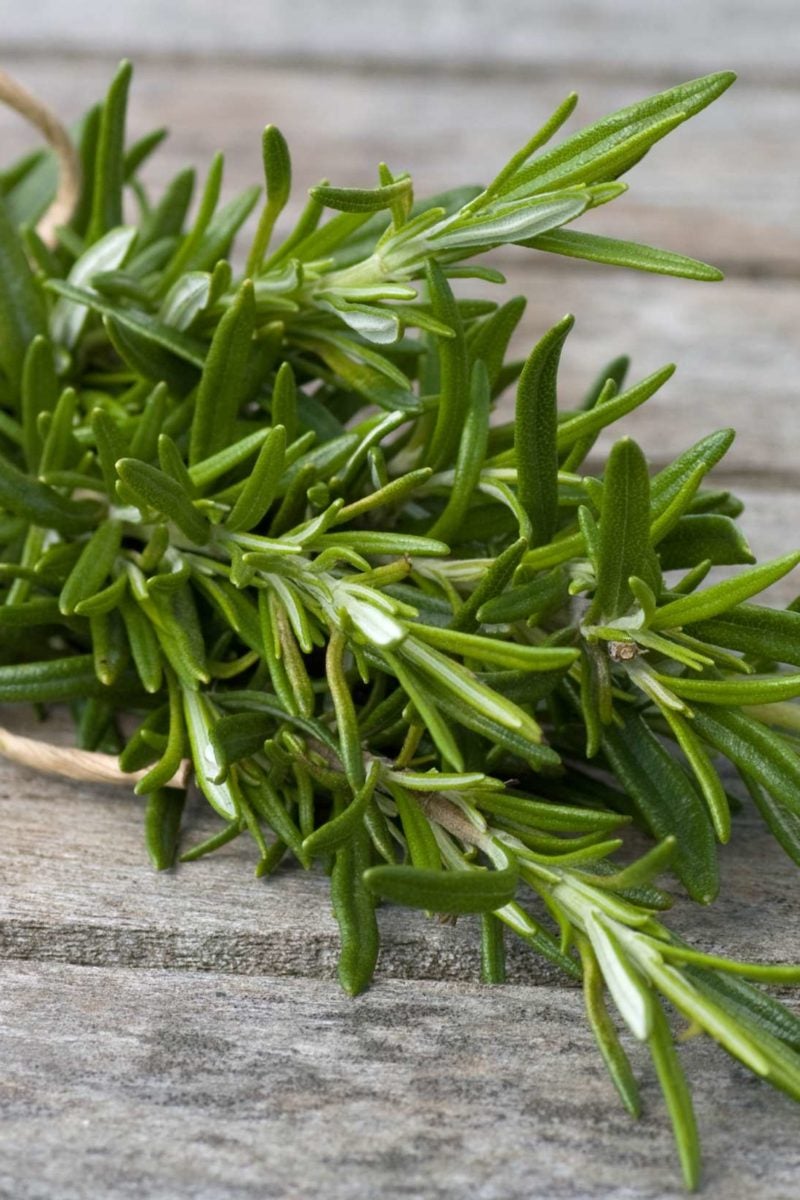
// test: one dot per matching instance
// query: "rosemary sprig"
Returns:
(271, 516)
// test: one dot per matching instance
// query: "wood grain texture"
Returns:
(623, 36)
(77, 888)
(723, 189)
(126, 1084)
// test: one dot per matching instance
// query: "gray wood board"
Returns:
(77, 887)
(723, 189)
(126, 1084)
(531, 35)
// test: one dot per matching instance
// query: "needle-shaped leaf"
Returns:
(624, 536)
(492, 650)
(162, 823)
(471, 891)
(453, 371)
(614, 1056)
(262, 485)
(224, 382)
(470, 458)
(22, 310)
(489, 342)
(109, 172)
(93, 567)
(677, 1096)
(354, 909)
(535, 427)
(704, 537)
(68, 317)
(628, 989)
(666, 801)
(39, 393)
(755, 630)
(43, 505)
(152, 488)
(719, 597)
(278, 178)
(342, 828)
(614, 142)
(750, 689)
(594, 247)
(755, 749)
(604, 414)
(49, 682)
(362, 200)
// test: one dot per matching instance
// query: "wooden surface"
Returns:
(181, 1035)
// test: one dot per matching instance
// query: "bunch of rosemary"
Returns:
(269, 516)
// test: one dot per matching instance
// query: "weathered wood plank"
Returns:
(723, 190)
(77, 887)
(150, 1083)
(529, 34)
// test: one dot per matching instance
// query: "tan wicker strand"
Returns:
(69, 168)
(87, 765)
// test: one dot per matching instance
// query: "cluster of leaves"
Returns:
(272, 518)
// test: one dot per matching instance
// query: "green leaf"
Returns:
(615, 252)
(22, 310)
(147, 327)
(471, 891)
(262, 484)
(704, 454)
(704, 537)
(354, 909)
(754, 749)
(494, 582)
(278, 177)
(423, 849)
(346, 721)
(708, 780)
(224, 382)
(43, 505)
(606, 412)
(783, 824)
(165, 220)
(608, 1043)
(341, 829)
(678, 1098)
(153, 489)
(632, 997)
(503, 181)
(488, 342)
(493, 650)
(50, 682)
(453, 371)
(666, 802)
(752, 689)
(526, 601)
(93, 567)
(362, 200)
(39, 393)
(510, 223)
(68, 317)
(754, 630)
(624, 542)
(162, 824)
(535, 431)
(611, 145)
(719, 597)
(109, 172)
(470, 458)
